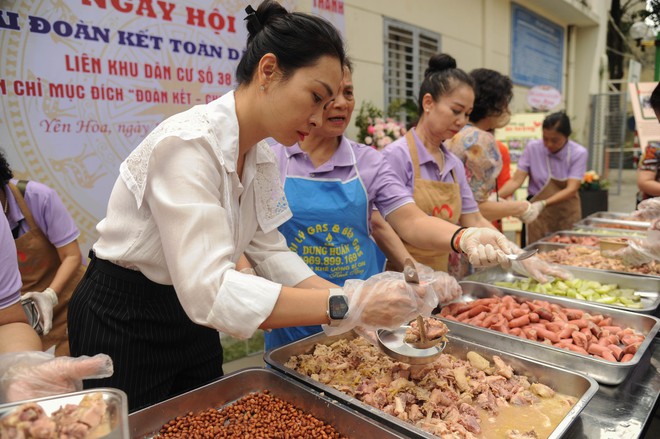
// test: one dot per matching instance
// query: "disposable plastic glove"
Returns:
(485, 247)
(385, 301)
(537, 268)
(532, 212)
(648, 209)
(639, 252)
(446, 287)
(27, 375)
(45, 302)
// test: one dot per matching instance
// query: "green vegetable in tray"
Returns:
(588, 290)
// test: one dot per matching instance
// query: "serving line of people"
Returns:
(435, 176)
(202, 189)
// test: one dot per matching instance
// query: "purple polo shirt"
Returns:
(398, 156)
(568, 162)
(48, 211)
(385, 191)
(10, 278)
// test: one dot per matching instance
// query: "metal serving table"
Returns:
(624, 411)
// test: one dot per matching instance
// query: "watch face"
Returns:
(338, 307)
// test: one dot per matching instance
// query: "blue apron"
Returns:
(330, 231)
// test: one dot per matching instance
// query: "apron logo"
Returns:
(438, 211)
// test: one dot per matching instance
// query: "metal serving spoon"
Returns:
(524, 255)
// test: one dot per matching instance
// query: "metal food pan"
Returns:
(600, 370)
(637, 283)
(611, 215)
(116, 411)
(574, 233)
(550, 246)
(605, 232)
(567, 382)
(608, 223)
(147, 422)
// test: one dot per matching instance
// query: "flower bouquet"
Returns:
(376, 130)
(592, 182)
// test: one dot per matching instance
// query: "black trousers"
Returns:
(157, 351)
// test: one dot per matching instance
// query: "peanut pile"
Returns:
(257, 415)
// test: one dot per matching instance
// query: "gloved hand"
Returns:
(446, 287)
(385, 301)
(532, 212)
(45, 302)
(639, 252)
(27, 375)
(485, 247)
(648, 209)
(537, 268)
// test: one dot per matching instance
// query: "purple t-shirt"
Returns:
(568, 162)
(398, 155)
(10, 278)
(385, 191)
(48, 211)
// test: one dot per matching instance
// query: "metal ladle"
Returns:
(392, 342)
(524, 255)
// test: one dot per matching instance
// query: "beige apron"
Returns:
(38, 262)
(435, 198)
(559, 216)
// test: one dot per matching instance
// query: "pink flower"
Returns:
(370, 129)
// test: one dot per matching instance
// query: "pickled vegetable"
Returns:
(589, 290)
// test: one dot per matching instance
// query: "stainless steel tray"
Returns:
(637, 283)
(606, 232)
(608, 223)
(116, 412)
(611, 215)
(602, 371)
(574, 233)
(569, 383)
(550, 246)
(147, 422)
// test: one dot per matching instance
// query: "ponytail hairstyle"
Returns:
(559, 122)
(296, 39)
(492, 94)
(440, 78)
(5, 171)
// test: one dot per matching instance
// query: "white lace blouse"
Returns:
(179, 214)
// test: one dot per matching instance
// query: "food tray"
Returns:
(600, 370)
(608, 223)
(550, 246)
(147, 422)
(635, 282)
(570, 383)
(574, 233)
(611, 215)
(116, 412)
(605, 232)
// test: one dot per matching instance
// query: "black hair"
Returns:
(296, 39)
(5, 171)
(559, 122)
(655, 98)
(441, 77)
(492, 94)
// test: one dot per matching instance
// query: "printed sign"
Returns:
(543, 97)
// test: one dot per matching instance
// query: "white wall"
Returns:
(478, 33)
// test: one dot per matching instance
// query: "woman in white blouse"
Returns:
(199, 191)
